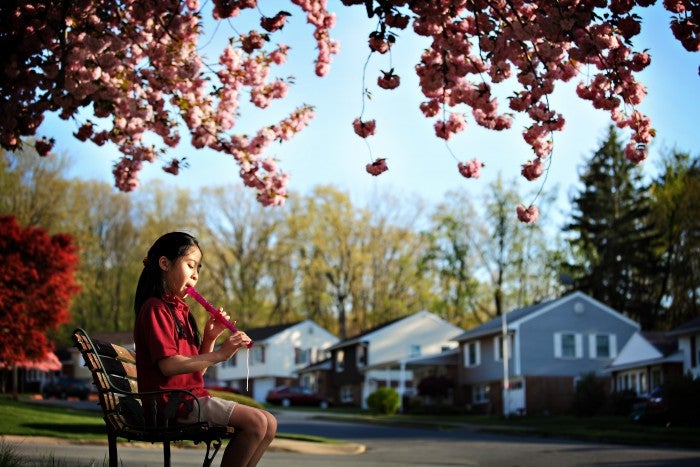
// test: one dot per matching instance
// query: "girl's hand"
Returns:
(213, 328)
(234, 342)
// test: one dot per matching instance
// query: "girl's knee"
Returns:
(264, 425)
(271, 425)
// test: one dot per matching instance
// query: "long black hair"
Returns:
(172, 245)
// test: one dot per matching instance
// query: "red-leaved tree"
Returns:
(134, 65)
(36, 286)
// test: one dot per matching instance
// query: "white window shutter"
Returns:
(613, 345)
(579, 345)
(557, 345)
(592, 348)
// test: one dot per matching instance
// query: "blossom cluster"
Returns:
(136, 66)
(479, 44)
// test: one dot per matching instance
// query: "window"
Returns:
(498, 348)
(602, 345)
(347, 395)
(414, 351)
(231, 362)
(472, 354)
(633, 380)
(361, 355)
(480, 393)
(568, 345)
(339, 361)
(257, 354)
(301, 356)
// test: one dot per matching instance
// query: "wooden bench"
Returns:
(130, 414)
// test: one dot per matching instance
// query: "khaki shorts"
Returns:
(212, 409)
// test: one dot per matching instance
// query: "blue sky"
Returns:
(328, 151)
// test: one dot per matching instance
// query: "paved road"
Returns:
(395, 447)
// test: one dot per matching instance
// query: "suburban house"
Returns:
(276, 355)
(688, 336)
(549, 346)
(647, 361)
(377, 358)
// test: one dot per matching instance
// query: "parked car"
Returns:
(651, 409)
(294, 395)
(65, 387)
(219, 386)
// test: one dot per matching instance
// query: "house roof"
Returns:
(644, 349)
(690, 327)
(260, 334)
(664, 343)
(447, 358)
(674, 358)
(494, 326)
(516, 317)
(325, 364)
(359, 337)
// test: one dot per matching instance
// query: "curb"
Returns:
(277, 445)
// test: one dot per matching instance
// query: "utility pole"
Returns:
(505, 351)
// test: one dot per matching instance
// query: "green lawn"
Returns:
(27, 419)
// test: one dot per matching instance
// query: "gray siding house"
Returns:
(549, 346)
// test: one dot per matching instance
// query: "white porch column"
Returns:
(402, 383)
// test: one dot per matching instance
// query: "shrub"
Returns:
(623, 402)
(384, 401)
(589, 397)
(681, 396)
(435, 386)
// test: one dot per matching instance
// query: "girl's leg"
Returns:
(267, 439)
(253, 436)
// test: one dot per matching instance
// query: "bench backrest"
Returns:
(113, 369)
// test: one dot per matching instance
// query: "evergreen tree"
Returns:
(613, 241)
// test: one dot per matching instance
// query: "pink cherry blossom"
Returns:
(364, 129)
(471, 169)
(377, 167)
(173, 167)
(454, 124)
(43, 146)
(532, 170)
(527, 215)
(388, 80)
(379, 43)
(275, 23)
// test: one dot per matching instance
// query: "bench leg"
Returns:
(216, 444)
(166, 453)
(112, 443)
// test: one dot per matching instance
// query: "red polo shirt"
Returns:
(156, 337)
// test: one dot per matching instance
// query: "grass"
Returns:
(9, 457)
(27, 419)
